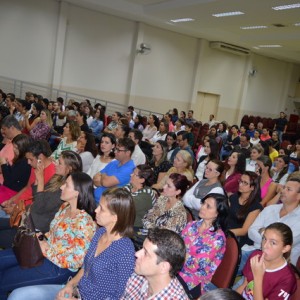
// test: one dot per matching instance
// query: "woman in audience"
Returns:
(159, 162)
(222, 132)
(280, 171)
(233, 139)
(138, 123)
(64, 246)
(174, 115)
(121, 131)
(201, 149)
(141, 191)
(109, 261)
(47, 197)
(212, 132)
(15, 175)
(182, 114)
(237, 164)
(255, 139)
(97, 124)
(88, 110)
(211, 151)
(161, 133)
(295, 155)
(182, 165)
(151, 128)
(32, 119)
(205, 244)
(244, 207)
(171, 142)
(168, 211)
(211, 184)
(179, 125)
(81, 120)
(87, 149)
(267, 186)
(42, 128)
(69, 139)
(256, 152)
(267, 274)
(276, 141)
(106, 154)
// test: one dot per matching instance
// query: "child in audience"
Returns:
(267, 272)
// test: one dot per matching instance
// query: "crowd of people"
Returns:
(99, 188)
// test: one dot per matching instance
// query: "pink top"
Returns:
(264, 189)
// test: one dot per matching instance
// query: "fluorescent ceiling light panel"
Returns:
(228, 14)
(289, 6)
(297, 24)
(182, 20)
(253, 27)
(269, 46)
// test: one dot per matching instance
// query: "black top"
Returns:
(234, 222)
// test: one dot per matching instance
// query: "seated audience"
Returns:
(267, 274)
(265, 135)
(138, 155)
(222, 132)
(15, 175)
(275, 139)
(212, 184)
(183, 144)
(138, 123)
(182, 165)
(42, 129)
(256, 152)
(63, 254)
(106, 154)
(47, 196)
(267, 186)
(151, 128)
(116, 173)
(115, 117)
(211, 151)
(205, 243)
(32, 117)
(141, 191)
(280, 170)
(156, 267)
(159, 162)
(97, 124)
(255, 139)
(161, 133)
(168, 211)
(172, 144)
(244, 146)
(69, 139)
(237, 163)
(233, 139)
(273, 153)
(244, 206)
(101, 277)
(87, 149)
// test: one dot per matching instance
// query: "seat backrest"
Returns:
(225, 274)
(189, 215)
(296, 295)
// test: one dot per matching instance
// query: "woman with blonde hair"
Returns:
(182, 165)
(42, 128)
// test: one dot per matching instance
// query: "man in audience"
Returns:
(212, 120)
(115, 117)
(138, 155)
(116, 173)
(244, 146)
(157, 264)
(190, 118)
(288, 213)
(129, 116)
(251, 130)
(259, 127)
(183, 144)
(265, 135)
(281, 125)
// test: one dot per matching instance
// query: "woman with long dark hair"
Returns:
(244, 206)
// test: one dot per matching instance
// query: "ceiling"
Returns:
(227, 29)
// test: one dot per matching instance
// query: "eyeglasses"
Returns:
(120, 150)
(244, 183)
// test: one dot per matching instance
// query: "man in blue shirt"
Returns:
(116, 173)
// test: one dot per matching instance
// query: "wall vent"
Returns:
(229, 48)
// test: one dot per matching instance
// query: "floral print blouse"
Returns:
(173, 219)
(69, 238)
(204, 253)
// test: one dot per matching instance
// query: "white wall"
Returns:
(88, 52)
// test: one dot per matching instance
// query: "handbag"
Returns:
(17, 213)
(26, 245)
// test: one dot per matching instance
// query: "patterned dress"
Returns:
(204, 253)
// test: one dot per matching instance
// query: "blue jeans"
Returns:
(12, 276)
(36, 292)
(244, 258)
(6, 232)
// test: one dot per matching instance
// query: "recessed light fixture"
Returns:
(182, 20)
(228, 14)
(253, 27)
(297, 24)
(289, 6)
(269, 46)
(257, 48)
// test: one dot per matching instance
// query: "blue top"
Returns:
(121, 172)
(105, 276)
(96, 126)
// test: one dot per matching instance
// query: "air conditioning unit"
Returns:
(229, 48)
